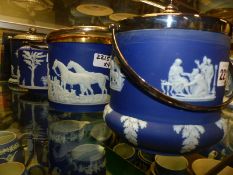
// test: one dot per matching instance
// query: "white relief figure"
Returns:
(107, 110)
(70, 78)
(97, 78)
(176, 76)
(44, 80)
(33, 59)
(77, 67)
(190, 135)
(198, 84)
(131, 128)
(194, 86)
(207, 70)
(116, 77)
(61, 86)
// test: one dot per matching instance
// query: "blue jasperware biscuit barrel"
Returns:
(33, 67)
(16, 42)
(79, 60)
(167, 81)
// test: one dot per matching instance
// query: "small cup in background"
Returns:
(11, 147)
(64, 136)
(124, 150)
(145, 160)
(12, 168)
(101, 133)
(88, 159)
(171, 165)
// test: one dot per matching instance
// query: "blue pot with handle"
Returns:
(79, 60)
(167, 81)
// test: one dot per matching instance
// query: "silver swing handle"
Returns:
(155, 93)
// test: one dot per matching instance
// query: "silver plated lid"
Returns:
(171, 18)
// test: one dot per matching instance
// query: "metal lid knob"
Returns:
(32, 30)
(171, 8)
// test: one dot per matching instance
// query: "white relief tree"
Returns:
(33, 59)
(131, 128)
(191, 135)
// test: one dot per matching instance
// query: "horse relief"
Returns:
(76, 84)
(199, 85)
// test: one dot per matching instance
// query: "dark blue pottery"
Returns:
(33, 67)
(64, 136)
(186, 65)
(16, 42)
(173, 138)
(78, 69)
(10, 147)
(88, 159)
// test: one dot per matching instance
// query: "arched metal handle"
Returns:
(155, 93)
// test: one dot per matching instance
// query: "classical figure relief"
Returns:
(199, 85)
(116, 77)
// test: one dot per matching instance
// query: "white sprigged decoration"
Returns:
(191, 135)
(33, 59)
(107, 110)
(131, 128)
(222, 124)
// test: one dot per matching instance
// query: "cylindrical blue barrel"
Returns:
(188, 63)
(33, 67)
(16, 42)
(79, 60)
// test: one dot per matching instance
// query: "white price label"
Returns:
(222, 73)
(101, 60)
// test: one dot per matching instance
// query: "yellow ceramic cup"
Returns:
(171, 164)
(12, 168)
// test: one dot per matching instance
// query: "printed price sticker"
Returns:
(101, 60)
(222, 73)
